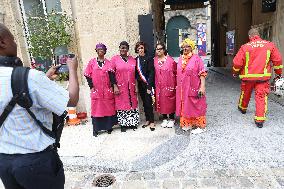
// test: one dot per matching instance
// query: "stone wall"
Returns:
(107, 21)
(278, 27)
(194, 16)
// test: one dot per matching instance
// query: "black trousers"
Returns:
(147, 101)
(41, 170)
(171, 116)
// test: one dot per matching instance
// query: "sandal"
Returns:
(146, 125)
(152, 128)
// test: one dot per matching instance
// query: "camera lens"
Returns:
(71, 55)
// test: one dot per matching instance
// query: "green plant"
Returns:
(48, 31)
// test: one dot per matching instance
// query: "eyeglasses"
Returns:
(123, 47)
(159, 49)
(185, 47)
(140, 48)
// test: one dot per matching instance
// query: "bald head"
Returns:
(4, 31)
(8, 47)
(253, 32)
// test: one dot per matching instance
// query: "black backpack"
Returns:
(19, 85)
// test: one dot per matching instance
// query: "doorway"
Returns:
(175, 24)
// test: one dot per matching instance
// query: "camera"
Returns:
(199, 95)
(61, 60)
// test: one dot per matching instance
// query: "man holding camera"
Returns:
(28, 158)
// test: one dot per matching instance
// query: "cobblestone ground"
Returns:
(232, 153)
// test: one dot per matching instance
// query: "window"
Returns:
(34, 9)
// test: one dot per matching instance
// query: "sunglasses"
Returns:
(186, 47)
(123, 47)
(159, 49)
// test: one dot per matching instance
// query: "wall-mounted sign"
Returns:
(230, 42)
(268, 5)
(201, 39)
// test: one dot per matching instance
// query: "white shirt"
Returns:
(19, 133)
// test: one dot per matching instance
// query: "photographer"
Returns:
(28, 158)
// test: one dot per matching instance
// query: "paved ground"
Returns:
(233, 153)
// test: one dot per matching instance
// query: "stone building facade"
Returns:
(107, 21)
(194, 16)
(240, 16)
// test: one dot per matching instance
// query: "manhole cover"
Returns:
(104, 180)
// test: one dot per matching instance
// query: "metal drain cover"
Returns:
(104, 180)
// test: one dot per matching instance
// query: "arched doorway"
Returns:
(173, 26)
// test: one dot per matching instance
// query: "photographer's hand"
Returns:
(51, 73)
(73, 87)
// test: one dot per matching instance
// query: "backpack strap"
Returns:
(7, 110)
(17, 88)
(21, 96)
(19, 85)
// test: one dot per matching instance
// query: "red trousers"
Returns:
(261, 92)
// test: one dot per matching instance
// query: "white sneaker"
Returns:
(198, 131)
(185, 128)
(164, 123)
(171, 123)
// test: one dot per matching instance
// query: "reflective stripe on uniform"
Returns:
(241, 101)
(278, 67)
(265, 74)
(247, 63)
(265, 104)
(267, 60)
(260, 118)
(256, 75)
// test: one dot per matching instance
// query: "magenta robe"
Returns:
(165, 84)
(125, 78)
(102, 96)
(188, 84)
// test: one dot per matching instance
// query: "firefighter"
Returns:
(253, 63)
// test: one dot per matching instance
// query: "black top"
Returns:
(110, 74)
(148, 70)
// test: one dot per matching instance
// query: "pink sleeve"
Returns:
(89, 68)
(201, 69)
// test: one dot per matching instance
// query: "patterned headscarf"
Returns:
(189, 42)
(102, 46)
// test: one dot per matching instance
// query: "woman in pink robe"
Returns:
(100, 76)
(165, 83)
(190, 93)
(126, 103)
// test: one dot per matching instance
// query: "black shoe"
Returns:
(133, 127)
(109, 131)
(259, 124)
(242, 111)
(95, 134)
(152, 128)
(123, 129)
(145, 125)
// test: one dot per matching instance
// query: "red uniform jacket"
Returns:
(253, 61)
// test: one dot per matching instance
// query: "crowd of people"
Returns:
(28, 143)
(171, 88)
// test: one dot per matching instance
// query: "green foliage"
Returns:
(46, 32)
(63, 77)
